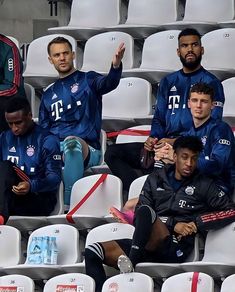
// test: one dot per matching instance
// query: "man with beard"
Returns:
(172, 115)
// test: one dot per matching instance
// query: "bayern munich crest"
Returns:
(74, 88)
(30, 150)
(203, 139)
(189, 190)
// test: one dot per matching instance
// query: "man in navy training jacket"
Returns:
(30, 164)
(71, 109)
(172, 116)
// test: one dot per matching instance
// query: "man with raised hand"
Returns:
(72, 109)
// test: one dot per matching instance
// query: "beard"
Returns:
(191, 65)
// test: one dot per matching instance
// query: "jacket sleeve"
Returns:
(158, 127)
(12, 71)
(44, 120)
(222, 146)
(104, 84)
(221, 206)
(52, 165)
(219, 99)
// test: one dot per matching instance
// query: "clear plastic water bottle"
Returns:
(54, 251)
(35, 251)
(46, 250)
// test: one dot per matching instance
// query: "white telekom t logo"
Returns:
(174, 101)
(182, 203)
(56, 109)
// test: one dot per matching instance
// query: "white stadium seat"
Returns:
(144, 18)
(186, 281)
(159, 56)
(67, 240)
(136, 282)
(74, 281)
(219, 56)
(99, 51)
(89, 17)
(204, 15)
(95, 210)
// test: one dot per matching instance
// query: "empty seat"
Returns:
(105, 232)
(89, 17)
(74, 281)
(95, 210)
(134, 134)
(228, 284)
(219, 59)
(39, 72)
(189, 282)
(144, 18)
(219, 258)
(131, 100)
(159, 56)
(137, 282)
(204, 15)
(10, 242)
(67, 240)
(229, 90)
(99, 51)
(16, 283)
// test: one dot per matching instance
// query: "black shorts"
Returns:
(171, 251)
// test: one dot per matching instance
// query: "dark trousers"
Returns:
(124, 162)
(31, 204)
(3, 123)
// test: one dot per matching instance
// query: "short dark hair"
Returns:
(17, 103)
(192, 143)
(189, 31)
(58, 40)
(203, 88)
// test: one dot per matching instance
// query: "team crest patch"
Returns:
(203, 139)
(74, 88)
(189, 190)
(30, 150)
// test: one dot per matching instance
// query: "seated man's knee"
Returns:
(93, 252)
(145, 211)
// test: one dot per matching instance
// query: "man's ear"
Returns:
(189, 103)
(202, 50)
(50, 60)
(174, 157)
(178, 52)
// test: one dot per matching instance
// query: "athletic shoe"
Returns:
(124, 264)
(123, 217)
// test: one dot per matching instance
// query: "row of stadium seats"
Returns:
(132, 101)
(132, 282)
(89, 17)
(158, 55)
(217, 261)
